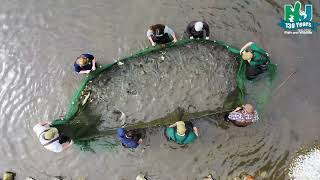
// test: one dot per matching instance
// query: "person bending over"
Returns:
(182, 133)
(243, 116)
(197, 29)
(160, 34)
(50, 138)
(257, 59)
(128, 138)
(85, 63)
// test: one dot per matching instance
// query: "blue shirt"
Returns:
(128, 142)
(88, 66)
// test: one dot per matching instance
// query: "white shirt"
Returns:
(166, 30)
(54, 146)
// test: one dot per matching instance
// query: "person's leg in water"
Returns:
(136, 136)
(165, 134)
(189, 124)
(252, 72)
(63, 139)
(165, 39)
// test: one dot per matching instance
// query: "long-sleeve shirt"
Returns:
(259, 55)
(243, 116)
(128, 142)
(192, 32)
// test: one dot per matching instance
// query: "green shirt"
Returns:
(259, 55)
(186, 139)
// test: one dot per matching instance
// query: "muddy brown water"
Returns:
(41, 39)
(195, 78)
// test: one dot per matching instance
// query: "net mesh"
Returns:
(256, 91)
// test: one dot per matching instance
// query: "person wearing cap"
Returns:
(181, 133)
(257, 59)
(243, 116)
(85, 63)
(128, 138)
(50, 138)
(160, 34)
(197, 29)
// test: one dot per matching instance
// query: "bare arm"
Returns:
(174, 37)
(245, 46)
(196, 131)
(149, 33)
(173, 125)
(237, 109)
(153, 43)
(171, 32)
(67, 145)
(94, 64)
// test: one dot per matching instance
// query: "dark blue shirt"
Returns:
(128, 142)
(88, 66)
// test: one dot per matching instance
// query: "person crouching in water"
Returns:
(243, 116)
(50, 138)
(196, 29)
(182, 133)
(160, 34)
(85, 63)
(128, 138)
(257, 59)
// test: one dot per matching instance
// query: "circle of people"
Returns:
(179, 132)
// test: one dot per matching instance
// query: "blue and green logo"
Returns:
(296, 19)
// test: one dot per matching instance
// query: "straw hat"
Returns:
(140, 177)
(181, 128)
(7, 176)
(82, 61)
(249, 108)
(198, 26)
(247, 56)
(50, 133)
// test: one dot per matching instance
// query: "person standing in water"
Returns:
(85, 63)
(197, 29)
(243, 116)
(182, 133)
(160, 34)
(257, 59)
(128, 138)
(50, 138)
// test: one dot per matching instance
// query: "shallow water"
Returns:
(41, 39)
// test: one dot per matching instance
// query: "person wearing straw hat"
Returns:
(50, 138)
(197, 29)
(160, 34)
(141, 177)
(182, 133)
(257, 59)
(85, 63)
(243, 116)
(8, 176)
